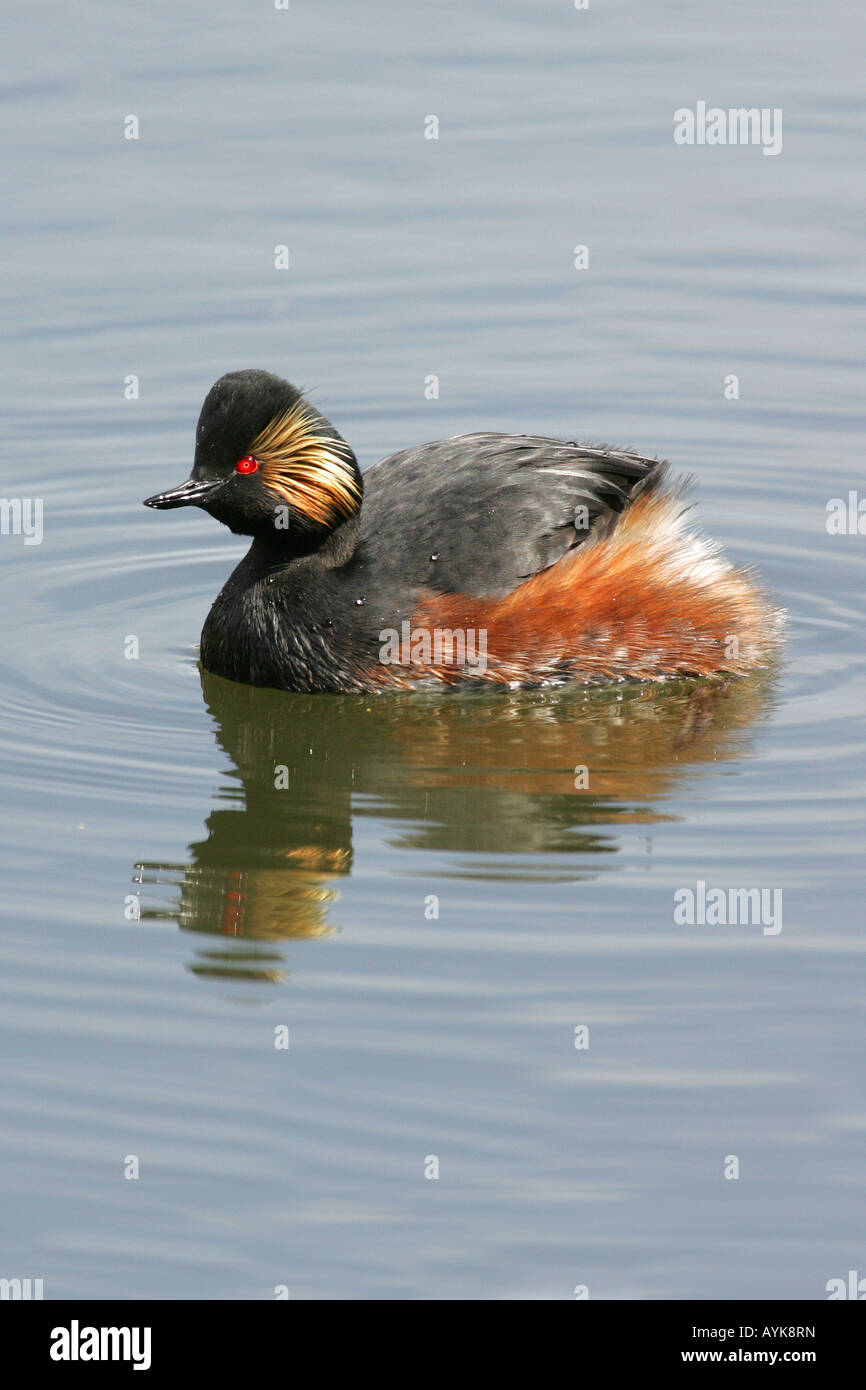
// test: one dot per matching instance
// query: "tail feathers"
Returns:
(651, 599)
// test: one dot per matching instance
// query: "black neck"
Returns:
(275, 549)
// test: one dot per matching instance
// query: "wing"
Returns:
(480, 513)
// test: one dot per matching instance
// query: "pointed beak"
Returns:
(189, 494)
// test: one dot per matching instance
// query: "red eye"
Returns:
(247, 464)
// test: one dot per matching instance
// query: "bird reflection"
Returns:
(491, 777)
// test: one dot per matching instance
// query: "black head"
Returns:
(268, 463)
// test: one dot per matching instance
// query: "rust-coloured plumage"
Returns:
(649, 601)
(309, 470)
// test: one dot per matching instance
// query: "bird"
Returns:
(483, 560)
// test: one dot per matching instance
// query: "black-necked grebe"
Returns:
(487, 558)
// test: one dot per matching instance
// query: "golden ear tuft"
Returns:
(311, 472)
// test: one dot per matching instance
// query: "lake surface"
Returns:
(433, 907)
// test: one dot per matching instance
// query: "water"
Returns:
(136, 785)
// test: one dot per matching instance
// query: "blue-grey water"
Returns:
(165, 909)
